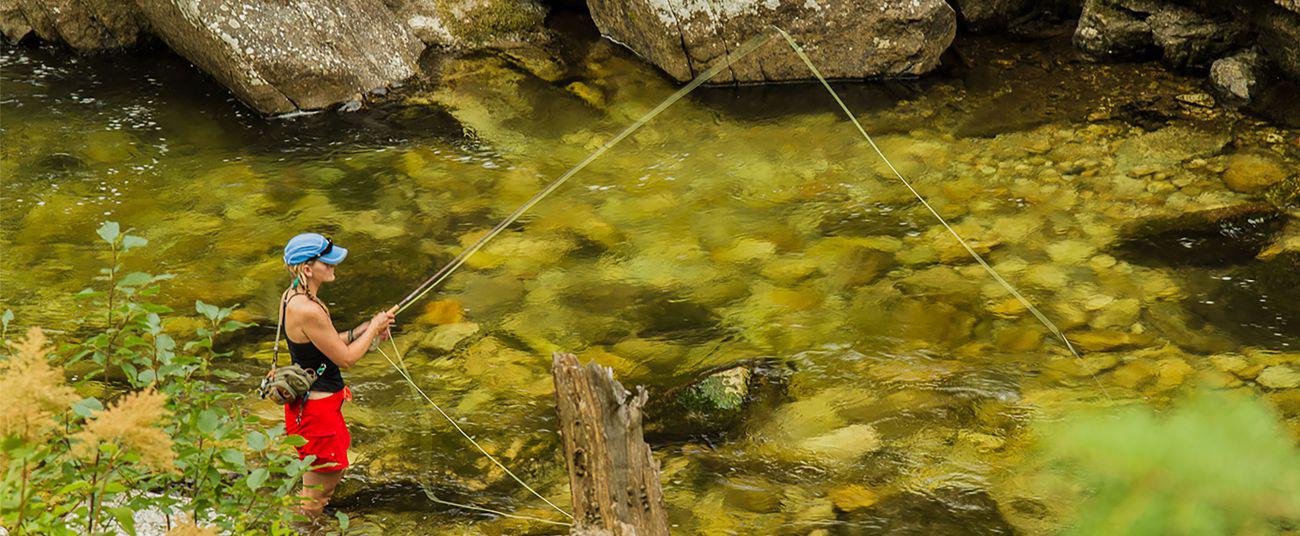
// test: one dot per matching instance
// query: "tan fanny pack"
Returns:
(287, 384)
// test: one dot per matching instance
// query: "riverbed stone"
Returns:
(1083, 366)
(844, 38)
(1108, 339)
(842, 445)
(1252, 172)
(850, 497)
(1167, 147)
(1279, 377)
(1215, 237)
(1117, 314)
(445, 337)
(1171, 372)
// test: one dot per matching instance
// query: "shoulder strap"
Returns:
(279, 328)
(279, 323)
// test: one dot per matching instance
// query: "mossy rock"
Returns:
(716, 404)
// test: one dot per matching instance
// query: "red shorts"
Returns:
(320, 422)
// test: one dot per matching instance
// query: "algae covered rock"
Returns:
(1252, 172)
(715, 404)
(1167, 147)
(1279, 377)
(1216, 237)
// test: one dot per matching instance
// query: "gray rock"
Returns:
(1111, 32)
(13, 24)
(1133, 29)
(991, 15)
(282, 56)
(84, 25)
(1236, 77)
(1018, 17)
(472, 24)
(1192, 39)
(1279, 36)
(844, 38)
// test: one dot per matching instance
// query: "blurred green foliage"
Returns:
(1214, 464)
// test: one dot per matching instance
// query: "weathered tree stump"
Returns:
(613, 477)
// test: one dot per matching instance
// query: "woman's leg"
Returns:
(317, 488)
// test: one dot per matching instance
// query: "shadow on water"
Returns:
(153, 89)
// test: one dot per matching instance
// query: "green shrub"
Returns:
(1215, 464)
(171, 439)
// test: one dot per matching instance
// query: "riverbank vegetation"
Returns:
(131, 422)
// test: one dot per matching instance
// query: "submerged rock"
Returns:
(845, 39)
(715, 404)
(1279, 377)
(1253, 172)
(1167, 147)
(946, 510)
(1216, 237)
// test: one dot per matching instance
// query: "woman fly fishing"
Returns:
(312, 389)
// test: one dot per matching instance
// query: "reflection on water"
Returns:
(743, 223)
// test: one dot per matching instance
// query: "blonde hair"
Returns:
(299, 284)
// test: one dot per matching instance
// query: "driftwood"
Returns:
(613, 477)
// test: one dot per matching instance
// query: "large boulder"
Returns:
(844, 38)
(472, 24)
(1135, 29)
(275, 55)
(982, 15)
(1279, 36)
(990, 16)
(84, 25)
(514, 28)
(281, 56)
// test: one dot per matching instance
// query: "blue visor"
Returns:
(311, 246)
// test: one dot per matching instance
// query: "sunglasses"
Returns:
(329, 246)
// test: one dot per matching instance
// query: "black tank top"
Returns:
(329, 378)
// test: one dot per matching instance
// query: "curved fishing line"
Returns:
(480, 448)
(442, 274)
(434, 498)
(996, 276)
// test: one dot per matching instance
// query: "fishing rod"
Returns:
(438, 277)
(443, 273)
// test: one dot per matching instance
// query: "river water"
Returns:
(741, 224)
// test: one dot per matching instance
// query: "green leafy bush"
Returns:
(1215, 464)
(171, 440)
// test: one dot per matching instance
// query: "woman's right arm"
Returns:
(318, 328)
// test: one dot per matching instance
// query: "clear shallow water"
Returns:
(748, 223)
